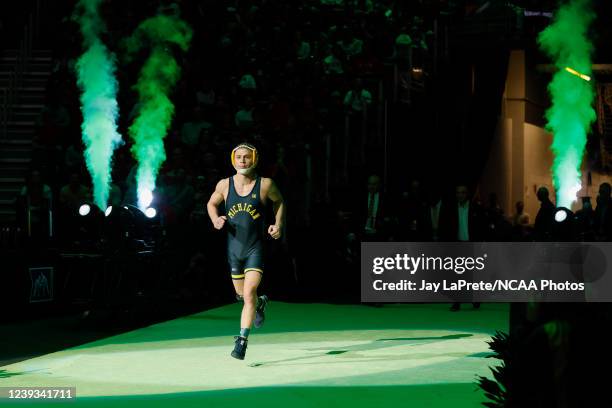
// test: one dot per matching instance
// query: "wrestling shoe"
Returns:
(240, 347)
(260, 311)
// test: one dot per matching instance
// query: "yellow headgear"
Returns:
(245, 146)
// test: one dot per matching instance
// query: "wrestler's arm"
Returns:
(216, 198)
(279, 207)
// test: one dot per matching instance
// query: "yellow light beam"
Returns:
(578, 74)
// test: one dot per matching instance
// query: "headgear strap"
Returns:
(245, 146)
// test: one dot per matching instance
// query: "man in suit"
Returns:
(430, 227)
(372, 212)
(462, 221)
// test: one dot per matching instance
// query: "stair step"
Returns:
(28, 106)
(8, 217)
(32, 89)
(19, 142)
(30, 73)
(35, 82)
(47, 62)
(38, 66)
(24, 115)
(21, 123)
(11, 58)
(15, 153)
(29, 113)
(31, 98)
(14, 147)
(44, 74)
(20, 160)
(12, 180)
(11, 171)
(39, 52)
(9, 193)
(20, 132)
(5, 148)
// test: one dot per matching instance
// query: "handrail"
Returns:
(24, 53)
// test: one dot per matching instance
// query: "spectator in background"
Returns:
(411, 211)
(603, 213)
(349, 44)
(33, 205)
(178, 197)
(497, 227)
(205, 94)
(366, 63)
(71, 197)
(279, 112)
(463, 222)
(402, 56)
(73, 158)
(357, 98)
(73, 194)
(520, 222)
(179, 160)
(545, 216)
(247, 82)
(244, 117)
(332, 64)
(190, 131)
(302, 48)
(520, 217)
(430, 228)
(585, 220)
(54, 120)
(373, 214)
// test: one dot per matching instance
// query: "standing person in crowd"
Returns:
(545, 216)
(462, 222)
(603, 213)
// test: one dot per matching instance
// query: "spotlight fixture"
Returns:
(150, 212)
(560, 215)
(84, 226)
(84, 210)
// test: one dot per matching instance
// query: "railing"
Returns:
(24, 53)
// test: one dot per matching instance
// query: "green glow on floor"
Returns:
(306, 354)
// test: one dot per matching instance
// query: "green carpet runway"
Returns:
(306, 355)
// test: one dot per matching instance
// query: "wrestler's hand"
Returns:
(274, 231)
(220, 222)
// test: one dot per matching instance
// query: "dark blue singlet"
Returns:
(245, 232)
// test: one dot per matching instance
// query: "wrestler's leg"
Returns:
(251, 281)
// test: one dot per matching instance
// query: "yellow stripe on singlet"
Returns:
(253, 269)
